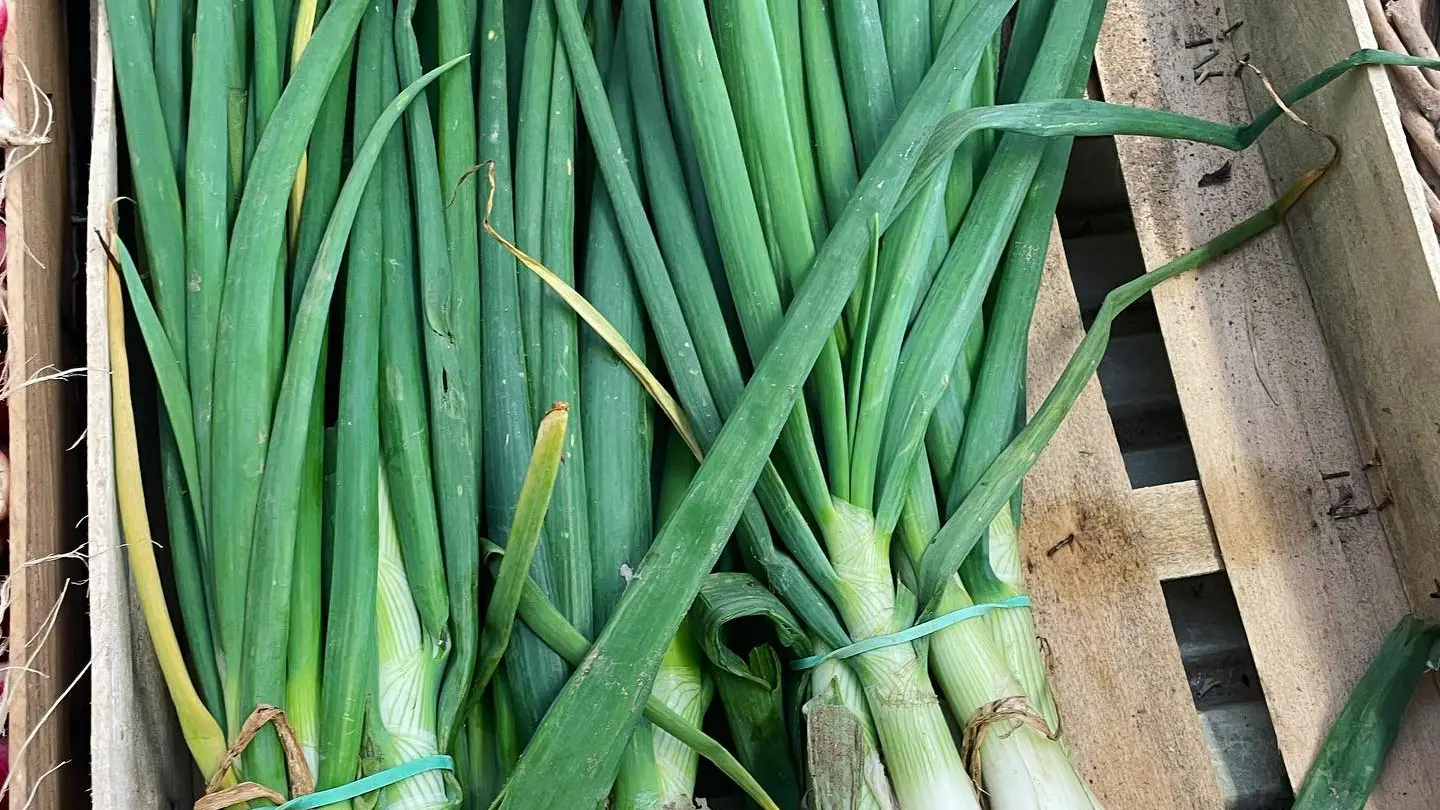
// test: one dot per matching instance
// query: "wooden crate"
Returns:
(45, 590)
(1290, 503)
(1278, 420)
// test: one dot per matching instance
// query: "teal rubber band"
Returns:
(371, 783)
(911, 633)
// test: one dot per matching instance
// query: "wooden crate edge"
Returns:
(44, 590)
(138, 758)
(1372, 263)
(1314, 578)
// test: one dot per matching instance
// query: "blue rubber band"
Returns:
(371, 783)
(911, 633)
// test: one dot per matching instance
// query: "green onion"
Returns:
(703, 329)
(811, 221)
(404, 425)
(457, 151)
(682, 684)
(530, 512)
(203, 735)
(151, 90)
(713, 504)
(411, 661)
(687, 691)
(834, 152)
(351, 625)
(352, 592)
(567, 541)
(618, 437)
(865, 66)
(531, 139)
(168, 19)
(247, 358)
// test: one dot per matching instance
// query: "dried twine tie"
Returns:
(1014, 707)
(301, 782)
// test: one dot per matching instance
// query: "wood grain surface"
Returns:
(40, 678)
(1115, 665)
(1294, 516)
(1176, 531)
(138, 758)
(1371, 260)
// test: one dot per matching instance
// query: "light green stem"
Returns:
(409, 677)
(924, 764)
(682, 685)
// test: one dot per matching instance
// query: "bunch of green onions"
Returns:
(391, 312)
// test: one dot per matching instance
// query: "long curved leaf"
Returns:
(202, 733)
(993, 490)
(187, 554)
(1082, 117)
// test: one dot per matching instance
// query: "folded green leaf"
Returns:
(524, 540)
(542, 617)
(727, 597)
(1350, 761)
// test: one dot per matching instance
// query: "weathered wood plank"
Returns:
(1371, 260)
(1312, 573)
(137, 757)
(36, 222)
(1115, 664)
(1176, 530)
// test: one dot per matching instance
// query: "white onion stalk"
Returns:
(920, 755)
(306, 643)
(302, 710)
(637, 782)
(410, 665)
(834, 682)
(1014, 628)
(1021, 768)
(682, 685)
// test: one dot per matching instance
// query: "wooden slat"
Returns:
(137, 757)
(1176, 530)
(1115, 664)
(36, 222)
(1372, 262)
(1312, 574)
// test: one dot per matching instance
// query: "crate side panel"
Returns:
(1114, 663)
(1371, 259)
(43, 596)
(138, 758)
(1293, 514)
